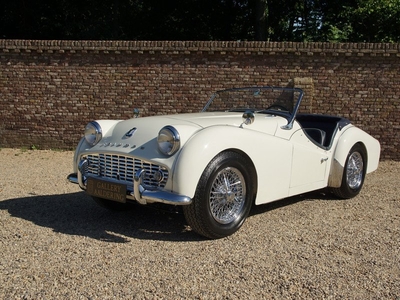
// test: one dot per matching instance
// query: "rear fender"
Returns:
(347, 140)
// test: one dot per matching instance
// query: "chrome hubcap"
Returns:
(354, 171)
(227, 196)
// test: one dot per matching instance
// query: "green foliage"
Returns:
(377, 21)
(361, 21)
(274, 20)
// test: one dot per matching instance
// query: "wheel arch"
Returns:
(221, 206)
(198, 152)
(252, 169)
(351, 137)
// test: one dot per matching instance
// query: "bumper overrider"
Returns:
(140, 193)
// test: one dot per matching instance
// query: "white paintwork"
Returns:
(286, 161)
(353, 136)
(308, 170)
(271, 159)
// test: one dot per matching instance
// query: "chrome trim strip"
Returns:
(335, 174)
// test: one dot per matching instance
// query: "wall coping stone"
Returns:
(179, 47)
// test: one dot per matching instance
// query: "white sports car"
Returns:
(247, 146)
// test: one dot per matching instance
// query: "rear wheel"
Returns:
(223, 197)
(353, 173)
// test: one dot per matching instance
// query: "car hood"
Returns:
(138, 134)
(209, 119)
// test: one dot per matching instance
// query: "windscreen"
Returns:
(255, 99)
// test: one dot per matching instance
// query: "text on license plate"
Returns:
(106, 190)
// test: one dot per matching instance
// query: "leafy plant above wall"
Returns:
(272, 20)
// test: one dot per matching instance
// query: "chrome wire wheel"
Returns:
(355, 170)
(227, 195)
(224, 196)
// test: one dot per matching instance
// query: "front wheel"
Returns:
(353, 173)
(223, 197)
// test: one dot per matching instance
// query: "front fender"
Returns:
(106, 127)
(271, 157)
(347, 140)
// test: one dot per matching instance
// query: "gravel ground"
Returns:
(56, 242)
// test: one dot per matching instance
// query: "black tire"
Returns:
(223, 197)
(353, 174)
(111, 205)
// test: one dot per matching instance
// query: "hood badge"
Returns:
(117, 145)
(130, 132)
(124, 145)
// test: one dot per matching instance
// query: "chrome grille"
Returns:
(123, 168)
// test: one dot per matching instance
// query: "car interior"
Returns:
(321, 129)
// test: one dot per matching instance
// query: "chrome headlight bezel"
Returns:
(93, 133)
(168, 140)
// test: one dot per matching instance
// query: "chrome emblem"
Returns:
(130, 132)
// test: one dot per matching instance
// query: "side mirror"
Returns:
(248, 117)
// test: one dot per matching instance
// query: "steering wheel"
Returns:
(278, 107)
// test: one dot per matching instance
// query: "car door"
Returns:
(309, 164)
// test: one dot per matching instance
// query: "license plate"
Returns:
(106, 190)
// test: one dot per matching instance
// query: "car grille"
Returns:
(123, 168)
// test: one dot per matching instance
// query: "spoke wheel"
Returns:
(353, 173)
(227, 195)
(223, 197)
(355, 170)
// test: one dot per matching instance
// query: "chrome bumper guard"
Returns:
(139, 193)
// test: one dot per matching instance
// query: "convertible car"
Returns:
(247, 146)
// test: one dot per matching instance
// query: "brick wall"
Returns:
(50, 89)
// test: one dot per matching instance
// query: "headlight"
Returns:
(168, 140)
(93, 133)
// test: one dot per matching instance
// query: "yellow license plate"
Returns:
(106, 190)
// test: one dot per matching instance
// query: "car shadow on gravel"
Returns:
(322, 194)
(78, 214)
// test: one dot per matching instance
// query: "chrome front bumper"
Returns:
(139, 193)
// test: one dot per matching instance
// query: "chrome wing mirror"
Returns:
(248, 118)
